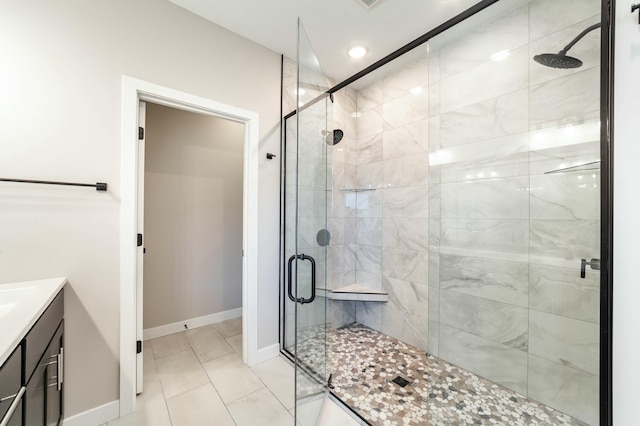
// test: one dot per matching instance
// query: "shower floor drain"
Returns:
(400, 381)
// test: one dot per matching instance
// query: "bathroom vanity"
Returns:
(32, 353)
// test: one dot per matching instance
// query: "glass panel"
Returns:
(514, 195)
(465, 199)
(313, 232)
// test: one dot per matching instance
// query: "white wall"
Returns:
(626, 236)
(61, 63)
(193, 215)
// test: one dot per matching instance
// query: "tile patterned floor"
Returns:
(197, 378)
(365, 362)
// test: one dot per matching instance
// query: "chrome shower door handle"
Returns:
(594, 264)
(302, 300)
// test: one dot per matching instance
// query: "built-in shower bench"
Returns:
(360, 293)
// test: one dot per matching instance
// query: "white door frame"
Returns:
(134, 91)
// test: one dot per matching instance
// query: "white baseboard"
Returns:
(96, 416)
(176, 327)
(267, 353)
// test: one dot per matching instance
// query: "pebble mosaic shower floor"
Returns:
(365, 363)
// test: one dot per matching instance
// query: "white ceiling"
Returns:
(333, 26)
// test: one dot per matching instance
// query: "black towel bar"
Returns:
(99, 186)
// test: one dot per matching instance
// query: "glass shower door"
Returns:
(306, 268)
(515, 208)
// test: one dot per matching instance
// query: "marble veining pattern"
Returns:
(485, 81)
(489, 236)
(497, 362)
(399, 83)
(499, 322)
(497, 280)
(562, 292)
(502, 157)
(550, 16)
(506, 33)
(491, 118)
(567, 100)
(407, 140)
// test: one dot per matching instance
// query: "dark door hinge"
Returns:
(139, 240)
(139, 346)
(140, 133)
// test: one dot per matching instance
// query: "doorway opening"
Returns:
(134, 93)
(190, 217)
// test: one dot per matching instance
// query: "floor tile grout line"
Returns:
(193, 350)
(269, 389)
(200, 362)
(213, 385)
(164, 396)
(264, 385)
(272, 394)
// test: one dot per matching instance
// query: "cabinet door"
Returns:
(35, 396)
(43, 405)
(10, 385)
(16, 418)
(55, 375)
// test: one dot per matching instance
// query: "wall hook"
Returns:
(270, 156)
(635, 7)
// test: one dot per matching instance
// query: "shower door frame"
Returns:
(607, 16)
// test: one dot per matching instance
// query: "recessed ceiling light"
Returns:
(368, 4)
(357, 52)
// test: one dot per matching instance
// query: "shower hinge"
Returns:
(329, 385)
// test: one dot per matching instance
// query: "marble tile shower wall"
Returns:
(316, 211)
(388, 226)
(306, 179)
(506, 298)
(344, 156)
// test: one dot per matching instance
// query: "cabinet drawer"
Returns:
(10, 380)
(54, 380)
(40, 335)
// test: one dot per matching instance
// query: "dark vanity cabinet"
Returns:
(54, 375)
(44, 367)
(31, 380)
(11, 389)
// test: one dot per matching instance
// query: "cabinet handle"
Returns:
(14, 406)
(6, 398)
(60, 368)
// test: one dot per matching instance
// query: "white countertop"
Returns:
(21, 304)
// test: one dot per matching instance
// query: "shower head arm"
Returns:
(578, 37)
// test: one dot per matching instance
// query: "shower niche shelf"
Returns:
(360, 293)
(357, 189)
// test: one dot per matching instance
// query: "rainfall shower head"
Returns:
(332, 138)
(558, 60)
(561, 59)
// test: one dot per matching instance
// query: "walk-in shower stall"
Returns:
(441, 224)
